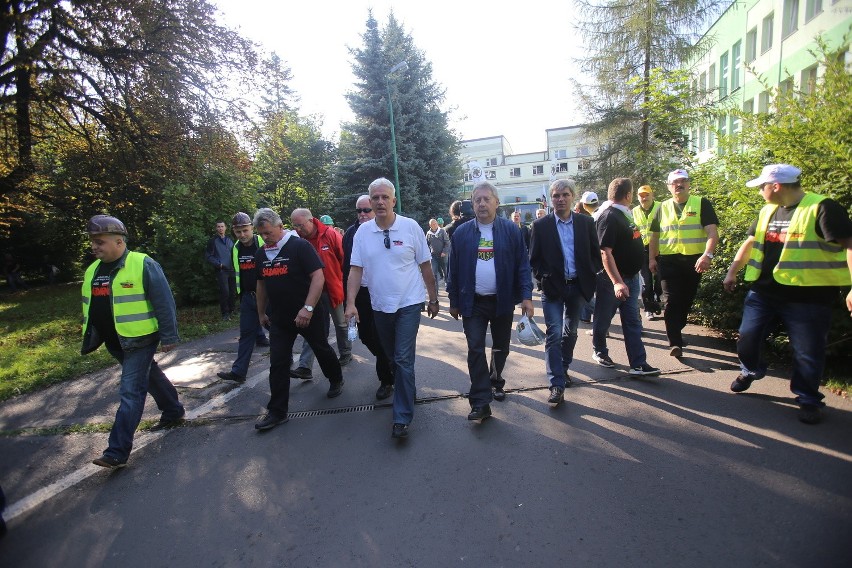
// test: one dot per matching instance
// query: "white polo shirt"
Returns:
(392, 274)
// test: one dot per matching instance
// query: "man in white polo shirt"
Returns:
(391, 254)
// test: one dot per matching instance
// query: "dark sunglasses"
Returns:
(364, 210)
(387, 238)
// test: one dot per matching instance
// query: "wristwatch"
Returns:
(708, 255)
(310, 309)
(434, 303)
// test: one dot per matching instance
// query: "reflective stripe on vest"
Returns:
(806, 259)
(684, 234)
(132, 313)
(258, 242)
(643, 221)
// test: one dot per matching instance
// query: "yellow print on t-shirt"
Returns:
(486, 250)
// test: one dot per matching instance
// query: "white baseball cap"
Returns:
(589, 197)
(676, 175)
(776, 173)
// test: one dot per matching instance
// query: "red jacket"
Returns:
(329, 245)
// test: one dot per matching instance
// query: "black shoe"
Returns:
(229, 376)
(301, 373)
(334, 389)
(164, 424)
(345, 359)
(269, 421)
(742, 382)
(676, 351)
(109, 462)
(479, 413)
(499, 394)
(568, 380)
(645, 370)
(399, 431)
(384, 392)
(557, 395)
(810, 414)
(262, 341)
(603, 360)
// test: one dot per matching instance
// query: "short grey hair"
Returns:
(381, 182)
(485, 185)
(365, 196)
(564, 183)
(267, 216)
(302, 212)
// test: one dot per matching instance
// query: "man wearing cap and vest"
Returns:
(798, 256)
(329, 246)
(684, 235)
(251, 332)
(128, 306)
(642, 215)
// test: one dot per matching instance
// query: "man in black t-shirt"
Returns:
(289, 283)
(798, 256)
(619, 285)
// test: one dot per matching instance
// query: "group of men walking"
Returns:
(798, 254)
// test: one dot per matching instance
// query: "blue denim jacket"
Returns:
(160, 295)
(511, 264)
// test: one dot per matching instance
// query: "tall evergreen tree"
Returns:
(426, 146)
(626, 42)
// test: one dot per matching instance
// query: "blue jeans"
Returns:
(588, 310)
(561, 316)
(398, 335)
(250, 332)
(807, 326)
(438, 271)
(631, 323)
(140, 374)
(484, 375)
(344, 346)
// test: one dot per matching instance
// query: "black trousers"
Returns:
(282, 335)
(652, 291)
(485, 374)
(227, 282)
(370, 338)
(679, 281)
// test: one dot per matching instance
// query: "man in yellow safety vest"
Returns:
(642, 215)
(798, 257)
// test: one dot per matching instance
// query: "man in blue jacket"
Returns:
(128, 306)
(489, 275)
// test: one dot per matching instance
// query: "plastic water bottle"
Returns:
(353, 329)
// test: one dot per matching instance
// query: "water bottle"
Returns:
(353, 329)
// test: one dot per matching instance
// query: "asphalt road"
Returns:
(666, 471)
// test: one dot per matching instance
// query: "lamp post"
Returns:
(399, 67)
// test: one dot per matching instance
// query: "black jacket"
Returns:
(548, 263)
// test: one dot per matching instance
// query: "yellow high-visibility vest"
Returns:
(257, 241)
(682, 234)
(643, 221)
(131, 311)
(806, 258)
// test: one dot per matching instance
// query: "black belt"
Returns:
(570, 280)
(485, 297)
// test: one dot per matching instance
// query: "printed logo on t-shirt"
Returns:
(246, 262)
(776, 232)
(277, 267)
(100, 285)
(398, 243)
(486, 250)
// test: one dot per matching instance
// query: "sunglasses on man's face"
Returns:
(387, 238)
(364, 210)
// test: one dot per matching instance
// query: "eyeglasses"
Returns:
(387, 238)
(364, 210)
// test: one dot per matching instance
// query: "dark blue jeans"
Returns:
(250, 332)
(140, 374)
(370, 337)
(631, 324)
(807, 326)
(561, 316)
(398, 334)
(226, 280)
(482, 374)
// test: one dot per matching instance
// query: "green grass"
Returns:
(40, 337)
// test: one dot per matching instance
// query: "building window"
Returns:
(561, 167)
(809, 79)
(723, 122)
(515, 172)
(490, 174)
(694, 138)
(786, 86)
(560, 154)
(790, 23)
(723, 76)
(751, 46)
(812, 9)
(735, 66)
(702, 83)
(538, 170)
(763, 102)
(711, 78)
(468, 177)
(734, 127)
(766, 33)
(748, 106)
(490, 162)
(583, 151)
(583, 165)
(702, 135)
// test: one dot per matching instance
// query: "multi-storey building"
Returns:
(760, 45)
(525, 177)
